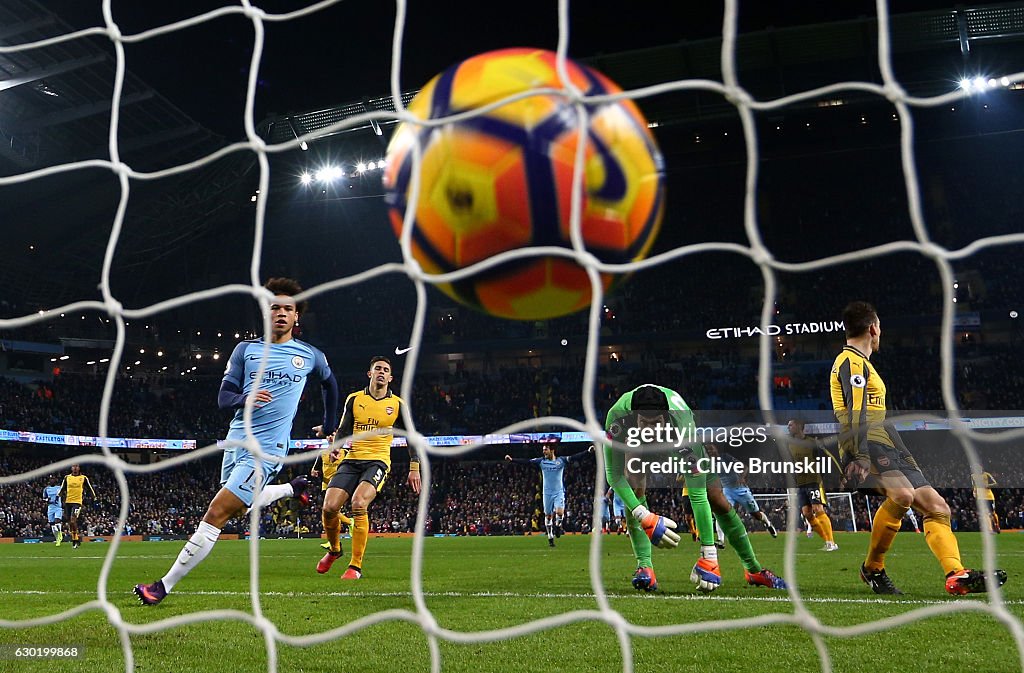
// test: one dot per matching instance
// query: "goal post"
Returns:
(838, 505)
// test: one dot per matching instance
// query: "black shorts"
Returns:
(351, 473)
(71, 510)
(885, 458)
(808, 496)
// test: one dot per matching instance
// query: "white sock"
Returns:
(273, 494)
(56, 529)
(558, 520)
(195, 550)
(547, 526)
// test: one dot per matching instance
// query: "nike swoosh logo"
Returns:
(402, 351)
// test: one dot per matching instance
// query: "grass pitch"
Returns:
(481, 584)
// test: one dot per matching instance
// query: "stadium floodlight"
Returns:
(306, 178)
(216, 356)
(199, 356)
(360, 167)
(965, 84)
(371, 166)
(1005, 81)
(979, 83)
(91, 362)
(142, 351)
(104, 359)
(138, 362)
(64, 357)
(159, 354)
(1013, 314)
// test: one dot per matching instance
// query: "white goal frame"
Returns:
(830, 498)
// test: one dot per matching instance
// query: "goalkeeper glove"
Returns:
(706, 574)
(660, 529)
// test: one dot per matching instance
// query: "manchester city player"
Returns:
(553, 468)
(54, 512)
(289, 365)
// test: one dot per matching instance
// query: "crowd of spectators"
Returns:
(467, 497)
(477, 401)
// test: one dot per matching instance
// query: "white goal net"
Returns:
(838, 506)
(747, 106)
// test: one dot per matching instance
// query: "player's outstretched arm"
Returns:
(524, 461)
(581, 454)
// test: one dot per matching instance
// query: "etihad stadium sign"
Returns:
(775, 330)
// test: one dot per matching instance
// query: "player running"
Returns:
(288, 366)
(373, 412)
(810, 488)
(734, 486)
(553, 469)
(328, 466)
(646, 409)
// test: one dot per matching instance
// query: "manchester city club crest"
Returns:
(298, 362)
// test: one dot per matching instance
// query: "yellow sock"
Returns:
(942, 542)
(886, 524)
(332, 526)
(826, 526)
(816, 527)
(360, 531)
(347, 520)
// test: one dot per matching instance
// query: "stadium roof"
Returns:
(772, 63)
(55, 109)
